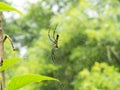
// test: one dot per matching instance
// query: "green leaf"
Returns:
(7, 63)
(6, 7)
(21, 81)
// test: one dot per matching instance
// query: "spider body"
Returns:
(56, 41)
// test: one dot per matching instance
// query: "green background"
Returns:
(88, 57)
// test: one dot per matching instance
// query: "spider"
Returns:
(54, 40)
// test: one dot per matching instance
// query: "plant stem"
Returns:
(2, 54)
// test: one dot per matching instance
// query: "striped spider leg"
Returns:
(54, 40)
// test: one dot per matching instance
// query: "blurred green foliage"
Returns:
(89, 32)
(100, 77)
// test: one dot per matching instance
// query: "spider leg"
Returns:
(50, 36)
(54, 31)
(53, 54)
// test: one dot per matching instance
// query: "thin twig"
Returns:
(109, 53)
(115, 55)
(7, 37)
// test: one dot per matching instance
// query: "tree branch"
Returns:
(2, 53)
